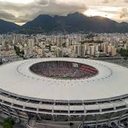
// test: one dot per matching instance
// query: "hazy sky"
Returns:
(21, 11)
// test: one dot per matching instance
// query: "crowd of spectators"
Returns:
(61, 69)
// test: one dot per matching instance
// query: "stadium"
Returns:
(65, 92)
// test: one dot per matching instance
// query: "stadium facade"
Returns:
(64, 91)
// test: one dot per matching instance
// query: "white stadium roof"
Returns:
(111, 81)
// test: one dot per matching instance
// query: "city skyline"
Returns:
(23, 11)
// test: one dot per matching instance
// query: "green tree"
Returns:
(8, 123)
(124, 53)
(18, 51)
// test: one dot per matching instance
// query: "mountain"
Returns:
(6, 27)
(72, 23)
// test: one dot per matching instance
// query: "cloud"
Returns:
(5, 15)
(21, 13)
(109, 1)
(124, 13)
(24, 12)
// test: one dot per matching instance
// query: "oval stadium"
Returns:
(64, 93)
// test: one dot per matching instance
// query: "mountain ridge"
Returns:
(6, 26)
(72, 23)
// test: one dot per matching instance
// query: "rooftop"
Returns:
(111, 81)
